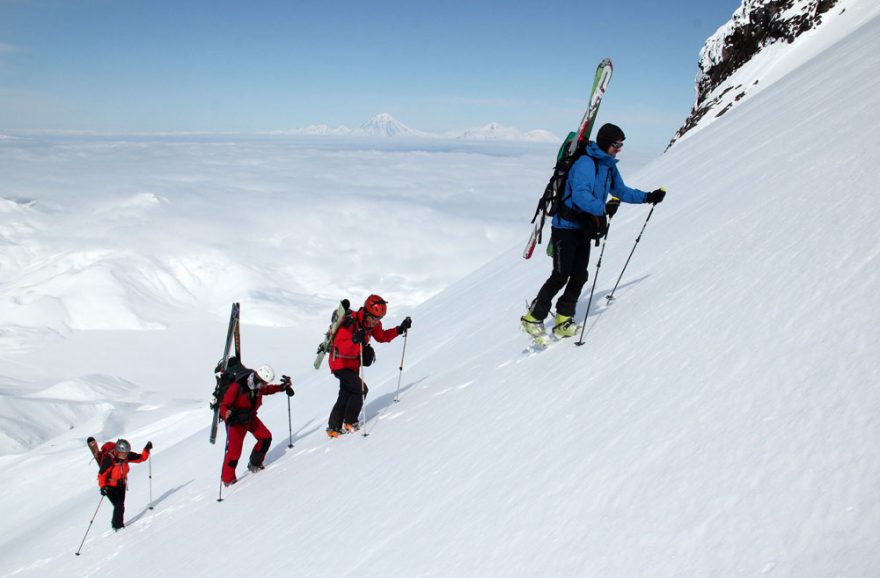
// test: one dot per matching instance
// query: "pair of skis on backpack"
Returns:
(573, 146)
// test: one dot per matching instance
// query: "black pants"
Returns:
(116, 495)
(351, 398)
(571, 256)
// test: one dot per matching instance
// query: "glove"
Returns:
(656, 196)
(149, 446)
(105, 490)
(287, 385)
(404, 326)
(346, 304)
(611, 206)
(368, 355)
(596, 226)
(358, 336)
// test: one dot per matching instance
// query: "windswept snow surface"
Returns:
(721, 419)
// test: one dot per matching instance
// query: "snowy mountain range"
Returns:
(384, 125)
(721, 418)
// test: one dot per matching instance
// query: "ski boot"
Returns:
(535, 328)
(351, 427)
(333, 432)
(254, 468)
(564, 327)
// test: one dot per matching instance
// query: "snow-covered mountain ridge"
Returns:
(763, 40)
(385, 125)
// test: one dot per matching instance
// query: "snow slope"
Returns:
(721, 419)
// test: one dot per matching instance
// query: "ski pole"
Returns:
(610, 296)
(150, 465)
(220, 496)
(363, 389)
(101, 501)
(289, 423)
(595, 278)
(400, 375)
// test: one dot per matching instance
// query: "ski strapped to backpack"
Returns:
(226, 369)
(572, 148)
(99, 453)
(335, 321)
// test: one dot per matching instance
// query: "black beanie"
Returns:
(608, 134)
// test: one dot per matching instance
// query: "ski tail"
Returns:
(534, 238)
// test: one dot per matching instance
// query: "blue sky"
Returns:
(200, 65)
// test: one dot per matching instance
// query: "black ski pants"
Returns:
(351, 399)
(571, 256)
(116, 495)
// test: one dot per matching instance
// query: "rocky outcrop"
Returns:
(754, 26)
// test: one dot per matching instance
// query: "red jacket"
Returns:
(243, 400)
(114, 472)
(345, 353)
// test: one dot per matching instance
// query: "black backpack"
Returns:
(552, 201)
(226, 377)
(552, 197)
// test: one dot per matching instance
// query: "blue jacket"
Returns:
(587, 189)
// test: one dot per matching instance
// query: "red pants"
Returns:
(235, 439)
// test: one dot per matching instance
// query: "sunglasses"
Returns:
(618, 145)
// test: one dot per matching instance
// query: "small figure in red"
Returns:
(349, 349)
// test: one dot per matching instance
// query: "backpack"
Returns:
(552, 197)
(340, 316)
(226, 377)
(552, 201)
(108, 449)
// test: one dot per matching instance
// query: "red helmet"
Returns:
(375, 306)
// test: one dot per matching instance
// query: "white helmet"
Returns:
(266, 373)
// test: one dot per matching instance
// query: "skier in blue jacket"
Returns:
(580, 219)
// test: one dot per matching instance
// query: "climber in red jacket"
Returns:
(349, 349)
(239, 410)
